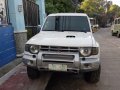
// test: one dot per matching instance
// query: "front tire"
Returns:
(92, 76)
(32, 73)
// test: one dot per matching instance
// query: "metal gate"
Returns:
(31, 15)
(7, 45)
(7, 41)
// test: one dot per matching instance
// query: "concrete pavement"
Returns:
(5, 69)
(17, 79)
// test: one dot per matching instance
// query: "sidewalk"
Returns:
(17, 79)
(5, 69)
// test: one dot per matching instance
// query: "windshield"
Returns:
(67, 23)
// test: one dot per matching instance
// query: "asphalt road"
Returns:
(110, 74)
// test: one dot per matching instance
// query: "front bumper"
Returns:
(75, 64)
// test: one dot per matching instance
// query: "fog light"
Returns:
(31, 62)
(34, 56)
(83, 59)
(88, 65)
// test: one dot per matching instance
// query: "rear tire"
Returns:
(118, 35)
(32, 73)
(113, 34)
(93, 76)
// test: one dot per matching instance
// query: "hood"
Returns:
(72, 39)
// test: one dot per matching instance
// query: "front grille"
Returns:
(59, 49)
(57, 56)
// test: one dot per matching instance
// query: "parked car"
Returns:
(65, 44)
(115, 28)
(94, 24)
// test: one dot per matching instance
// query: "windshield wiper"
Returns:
(76, 31)
(54, 30)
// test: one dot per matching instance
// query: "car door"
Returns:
(119, 25)
(115, 26)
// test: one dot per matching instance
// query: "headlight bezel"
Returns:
(28, 48)
(92, 51)
(95, 51)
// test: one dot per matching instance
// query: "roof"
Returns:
(68, 14)
(91, 18)
(117, 18)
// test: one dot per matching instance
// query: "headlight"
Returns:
(85, 51)
(34, 49)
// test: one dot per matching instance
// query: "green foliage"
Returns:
(102, 10)
(58, 6)
(114, 10)
(50, 8)
(92, 7)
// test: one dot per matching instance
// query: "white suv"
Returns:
(66, 44)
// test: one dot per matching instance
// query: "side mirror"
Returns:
(38, 28)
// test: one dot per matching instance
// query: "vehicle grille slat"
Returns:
(57, 56)
(59, 49)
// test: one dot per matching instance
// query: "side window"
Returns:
(116, 21)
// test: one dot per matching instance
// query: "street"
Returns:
(110, 73)
(49, 45)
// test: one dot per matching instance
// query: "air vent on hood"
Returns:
(70, 36)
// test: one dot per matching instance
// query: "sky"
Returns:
(115, 2)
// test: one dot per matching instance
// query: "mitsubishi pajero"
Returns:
(65, 44)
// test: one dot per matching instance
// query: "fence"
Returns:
(31, 15)
(7, 45)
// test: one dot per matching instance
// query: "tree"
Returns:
(92, 7)
(76, 4)
(102, 10)
(55, 6)
(114, 10)
(50, 7)
(58, 6)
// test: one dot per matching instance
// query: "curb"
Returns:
(10, 73)
(6, 68)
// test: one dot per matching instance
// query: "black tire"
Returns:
(92, 76)
(32, 73)
(113, 34)
(118, 35)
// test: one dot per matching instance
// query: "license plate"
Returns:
(57, 67)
